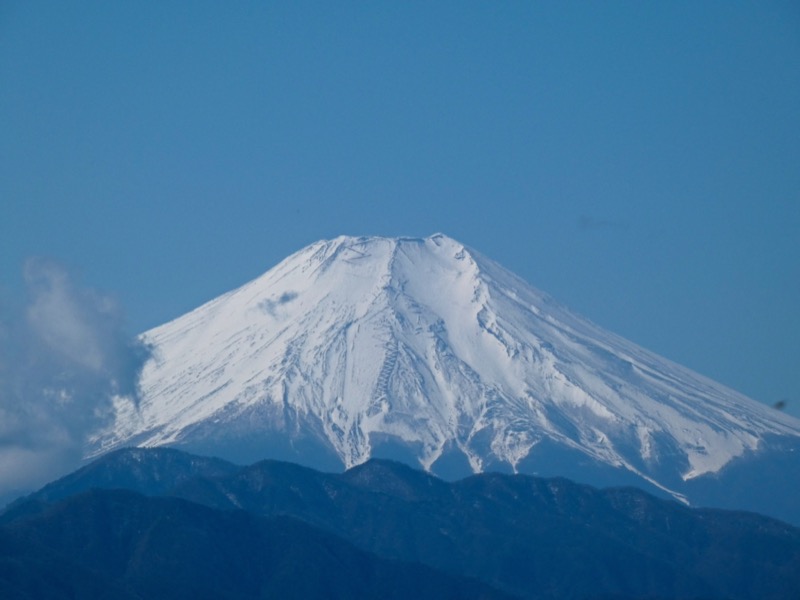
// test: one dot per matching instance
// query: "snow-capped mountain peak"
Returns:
(427, 348)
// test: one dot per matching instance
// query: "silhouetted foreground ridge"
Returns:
(162, 523)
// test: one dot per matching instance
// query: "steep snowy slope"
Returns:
(425, 350)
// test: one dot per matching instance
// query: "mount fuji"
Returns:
(425, 351)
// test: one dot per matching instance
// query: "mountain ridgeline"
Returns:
(141, 523)
(427, 352)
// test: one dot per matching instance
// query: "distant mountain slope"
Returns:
(425, 351)
(151, 471)
(529, 537)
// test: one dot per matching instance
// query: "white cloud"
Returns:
(62, 360)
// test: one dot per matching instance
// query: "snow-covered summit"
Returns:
(427, 347)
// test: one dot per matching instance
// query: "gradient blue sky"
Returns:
(638, 161)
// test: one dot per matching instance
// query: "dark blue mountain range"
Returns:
(163, 523)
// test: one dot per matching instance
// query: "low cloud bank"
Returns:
(64, 356)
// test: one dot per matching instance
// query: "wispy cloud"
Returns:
(63, 357)
(271, 306)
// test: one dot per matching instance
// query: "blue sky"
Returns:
(638, 161)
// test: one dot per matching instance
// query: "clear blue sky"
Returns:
(638, 161)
